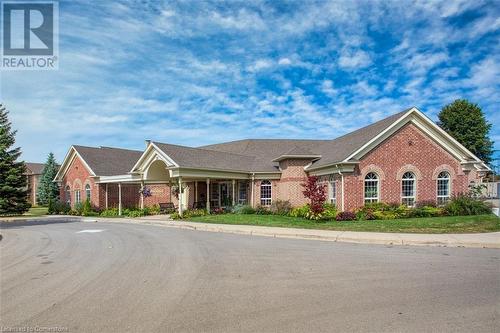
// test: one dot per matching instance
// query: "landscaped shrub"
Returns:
(218, 210)
(315, 191)
(302, 211)
(243, 209)
(262, 210)
(330, 211)
(87, 209)
(425, 203)
(111, 212)
(466, 205)
(346, 216)
(426, 211)
(78, 208)
(188, 214)
(384, 215)
(382, 211)
(58, 207)
(280, 207)
(131, 212)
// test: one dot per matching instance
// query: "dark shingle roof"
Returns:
(331, 151)
(203, 158)
(34, 168)
(106, 161)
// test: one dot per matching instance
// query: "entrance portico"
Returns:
(193, 187)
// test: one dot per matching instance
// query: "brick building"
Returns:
(33, 173)
(405, 158)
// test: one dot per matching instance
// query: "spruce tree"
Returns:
(48, 190)
(465, 122)
(13, 183)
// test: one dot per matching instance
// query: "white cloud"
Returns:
(284, 62)
(354, 59)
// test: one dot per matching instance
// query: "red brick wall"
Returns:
(292, 176)
(77, 177)
(160, 193)
(407, 150)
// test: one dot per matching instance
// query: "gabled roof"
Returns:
(265, 150)
(101, 161)
(108, 161)
(34, 168)
(188, 157)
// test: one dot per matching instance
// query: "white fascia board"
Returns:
(68, 159)
(446, 135)
(147, 155)
(311, 167)
(298, 157)
(168, 159)
(206, 173)
(128, 178)
(333, 169)
(426, 125)
(388, 129)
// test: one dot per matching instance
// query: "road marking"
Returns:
(89, 231)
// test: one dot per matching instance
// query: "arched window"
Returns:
(87, 192)
(67, 194)
(78, 199)
(265, 193)
(443, 188)
(408, 189)
(371, 187)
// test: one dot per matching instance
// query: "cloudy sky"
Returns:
(195, 73)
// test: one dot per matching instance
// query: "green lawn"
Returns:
(434, 225)
(36, 211)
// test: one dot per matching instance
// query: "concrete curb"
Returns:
(481, 240)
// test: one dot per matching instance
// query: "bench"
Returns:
(167, 207)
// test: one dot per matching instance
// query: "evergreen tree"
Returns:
(465, 122)
(13, 183)
(48, 190)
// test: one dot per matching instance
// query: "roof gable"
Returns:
(102, 161)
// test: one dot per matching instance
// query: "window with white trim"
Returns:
(265, 193)
(77, 197)
(67, 194)
(87, 192)
(242, 190)
(408, 189)
(333, 192)
(443, 187)
(371, 187)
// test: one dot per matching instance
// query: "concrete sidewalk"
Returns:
(478, 240)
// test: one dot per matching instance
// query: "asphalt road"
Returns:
(139, 278)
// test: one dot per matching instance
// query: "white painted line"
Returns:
(89, 231)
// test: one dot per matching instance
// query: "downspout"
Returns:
(342, 188)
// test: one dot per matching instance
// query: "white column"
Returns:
(196, 191)
(106, 197)
(234, 194)
(142, 195)
(119, 198)
(180, 196)
(208, 195)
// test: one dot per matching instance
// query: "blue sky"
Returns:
(195, 73)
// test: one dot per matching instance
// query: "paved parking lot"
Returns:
(113, 277)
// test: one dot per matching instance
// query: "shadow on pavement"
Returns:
(34, 222)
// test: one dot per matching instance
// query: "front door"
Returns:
(225, 194)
